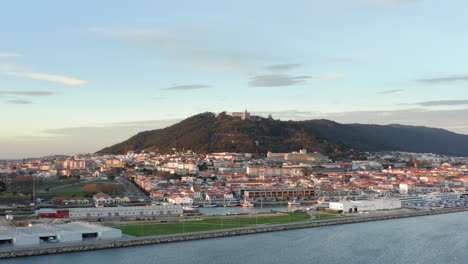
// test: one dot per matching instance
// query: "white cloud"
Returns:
(393, 1)
(10, 55)
(26, 93)
(278, 80)
(187, 87)
(457, 127)
(19, 102)
(199, 53)
(49, 77)
(328, 76)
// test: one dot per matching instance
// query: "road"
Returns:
(131, 189)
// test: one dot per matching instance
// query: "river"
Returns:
(428, 239)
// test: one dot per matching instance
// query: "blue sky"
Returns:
(78, 76)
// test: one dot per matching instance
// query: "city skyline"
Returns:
(72, 85)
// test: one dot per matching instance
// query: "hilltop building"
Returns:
(242, 115)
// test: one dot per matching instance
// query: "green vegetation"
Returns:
(24, 184)
(80, 189)
(9, 195)
(206, 225)
(326, 216)
(208, 132)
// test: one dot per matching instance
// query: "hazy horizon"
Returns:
(117, 132)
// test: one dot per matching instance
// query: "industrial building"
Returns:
(366, 205)
(43, 234)
(279, 193)
(124, 211)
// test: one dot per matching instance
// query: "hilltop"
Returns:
(208, 132)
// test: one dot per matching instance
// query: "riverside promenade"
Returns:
(12, 252)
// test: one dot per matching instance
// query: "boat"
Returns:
(231, 204)
(294, 202)
(189, 210)
(323, 200)
(210, 205)
(247, 203)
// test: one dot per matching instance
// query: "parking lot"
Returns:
(430, 205)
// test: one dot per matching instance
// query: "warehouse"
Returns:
(366, 205)
(43, 234)
(279, 193)
(125, 211)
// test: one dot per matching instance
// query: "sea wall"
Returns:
(129, 242)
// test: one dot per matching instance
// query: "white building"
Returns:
(102, 198)
(176, 199)
(366, 205)
(43, 234)
(125, 211)
(404, 188)
(441, 196)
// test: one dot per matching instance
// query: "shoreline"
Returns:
(150, 240)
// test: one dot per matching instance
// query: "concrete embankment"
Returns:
(129, 242)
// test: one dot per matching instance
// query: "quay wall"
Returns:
(149, 240)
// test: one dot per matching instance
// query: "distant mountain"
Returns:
(208, 132)
(40, 158)
(393, 137)
(417, 139)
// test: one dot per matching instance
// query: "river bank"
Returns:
(132, 241)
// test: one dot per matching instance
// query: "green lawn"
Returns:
(76, 189)
(206, 225)
(326, 216)
(9, 195)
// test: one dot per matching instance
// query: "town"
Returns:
(46, 200)
(228, 179)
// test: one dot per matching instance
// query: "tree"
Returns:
(111, 188)
(73, 179)
(221, 116)
(91, 188)
(203, 167)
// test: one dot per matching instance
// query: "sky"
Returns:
(77, 76)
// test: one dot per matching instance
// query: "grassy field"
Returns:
(206, 225)
(326, 216)
(9, 195)
(76, 189)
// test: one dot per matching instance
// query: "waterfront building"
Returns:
(43, 234)
(279, 193)
(366, 205)
(124, 211)
(179, 199)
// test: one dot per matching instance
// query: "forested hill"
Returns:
(208, 132)
(418, 139)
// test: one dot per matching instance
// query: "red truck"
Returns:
(60, 213)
